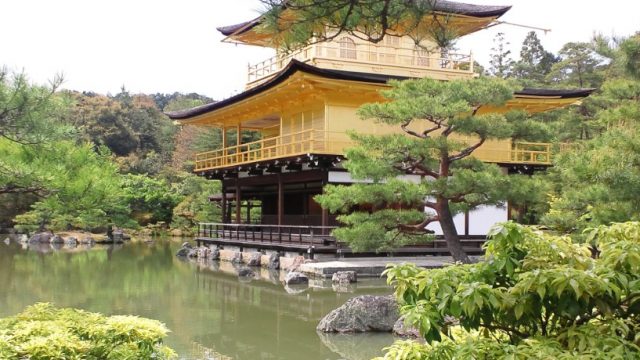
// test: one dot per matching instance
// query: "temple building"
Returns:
(300, 107)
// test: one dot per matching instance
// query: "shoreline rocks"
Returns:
(295, 278)
(362, 314)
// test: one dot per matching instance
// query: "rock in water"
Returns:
(23, 239)
(344, 277)
(246, 272)
(362, 314)
(204, 252)
(41, 238)
(117, 236)
(57, 240)
(215, 254)
(254, 259)
(184, 250)
(71, 241)
(274, 261)
(403, 330)
(294, 278)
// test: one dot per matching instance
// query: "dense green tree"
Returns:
(579, 66)
(535, 296)
(81, 188)
(596, 181)
(151, 200)
(195, 206)
(442, 128)
(535, 62)
(501, 63)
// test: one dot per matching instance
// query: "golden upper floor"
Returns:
(304, 110)
(413, 52)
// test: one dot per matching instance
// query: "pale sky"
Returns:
(165, 46)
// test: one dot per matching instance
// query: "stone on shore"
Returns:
(56, 239)
(274, 261)
(41, 238)
(184, 250)
(215, 254)
(400, 328)
(203, 252)
(71, 241)
(362, 314)
(295, 278)
(254, 259)
(344, 277)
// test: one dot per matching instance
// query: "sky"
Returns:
(165, 46)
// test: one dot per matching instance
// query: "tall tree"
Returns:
(597, 180)
(442, 128)
(501, 63)
(579, 66)
(535, 62)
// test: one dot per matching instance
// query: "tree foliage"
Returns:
(295, 23)
(596, 181)
(501, 63)
(444, 128)
(535, 296)
(535, 62)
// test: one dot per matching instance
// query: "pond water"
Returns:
(212, 313)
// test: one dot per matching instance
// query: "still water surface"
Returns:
(212, 313)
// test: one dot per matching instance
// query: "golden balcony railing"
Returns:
(335, 143)
(287, 145)
(364, 57)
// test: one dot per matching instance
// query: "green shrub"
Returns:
(42, 331)
(535, 296)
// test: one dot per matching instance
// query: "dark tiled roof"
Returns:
(295, 66)
(562, 93)
(440, 5)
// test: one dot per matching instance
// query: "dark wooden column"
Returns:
(325, 212)
(238, 203)
(280, 200)
(224, 203)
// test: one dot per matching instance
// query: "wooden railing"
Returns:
(531, 153)
(364, 54)
(274, 234)
(298, 143)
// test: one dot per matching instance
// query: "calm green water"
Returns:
(213, 314)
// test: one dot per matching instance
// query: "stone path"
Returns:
(369, 267)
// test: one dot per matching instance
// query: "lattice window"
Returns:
(347, 48)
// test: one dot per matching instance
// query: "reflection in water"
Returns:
(211, 312)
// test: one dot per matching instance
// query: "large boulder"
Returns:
(57, 239)
(362, 314)
(215, 254)
(295, 278)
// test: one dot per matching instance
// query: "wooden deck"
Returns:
(311, 240)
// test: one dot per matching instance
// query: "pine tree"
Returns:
(535, 62)
(443, 126)
(501, 63)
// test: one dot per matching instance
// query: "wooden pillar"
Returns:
(249, 205)
(466, 223)
(280, 200)
(224, 145)
(325, 213)
(224, 203)
(238, 203)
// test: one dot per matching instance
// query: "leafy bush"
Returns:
(42, 331)
(536, 296)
